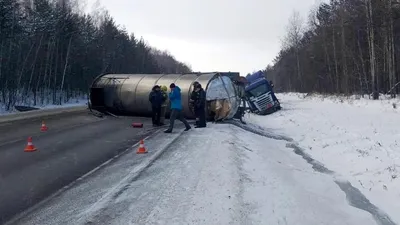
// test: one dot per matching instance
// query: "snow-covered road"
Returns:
(358, 139)
(218, 175)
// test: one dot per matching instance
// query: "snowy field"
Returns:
(358, 139)
(214, 176)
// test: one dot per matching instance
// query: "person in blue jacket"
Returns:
(176, 108)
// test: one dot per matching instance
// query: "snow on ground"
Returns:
(356, 138)
(385, 103)
(71, 103)
(217, 175)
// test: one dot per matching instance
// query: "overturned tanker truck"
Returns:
(128, 94)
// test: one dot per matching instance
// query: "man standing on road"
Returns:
(176, 108)
(164, 105)
(241, 85)
(193, 96)
(156, 98)
(200, 105)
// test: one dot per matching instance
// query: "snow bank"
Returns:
(357, 138)
(71, 103)
(385, 103)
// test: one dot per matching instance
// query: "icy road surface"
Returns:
(218, 175)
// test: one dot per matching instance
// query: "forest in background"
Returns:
(344, 47)
(50, 51)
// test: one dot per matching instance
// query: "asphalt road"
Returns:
(72, 146)
(217, 175)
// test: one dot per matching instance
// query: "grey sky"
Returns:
(211, 35)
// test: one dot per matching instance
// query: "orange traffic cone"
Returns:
(30, 147)
(141, 149)
(44, 127)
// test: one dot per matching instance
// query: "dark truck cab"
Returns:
(260, 95)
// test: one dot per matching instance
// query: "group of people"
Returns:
(160, 100)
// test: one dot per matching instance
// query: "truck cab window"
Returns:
(257, 91)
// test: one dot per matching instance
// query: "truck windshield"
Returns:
(259, 90)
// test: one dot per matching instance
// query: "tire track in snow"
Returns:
(100, 205)
(353, 195)
(164, 197)
(244, 208)
(172, 189)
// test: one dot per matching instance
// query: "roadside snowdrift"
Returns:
(357, 138)
(71, 103)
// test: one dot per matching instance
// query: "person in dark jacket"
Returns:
(176, 108)
(156, 98)
(164, 90)
(199, 103)
(193, 97)
(241, 90)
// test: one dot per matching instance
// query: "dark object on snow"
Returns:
(375, 95)
(21, 108)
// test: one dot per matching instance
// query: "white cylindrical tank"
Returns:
(128, 93)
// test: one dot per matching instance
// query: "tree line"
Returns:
(346, 47)
(50, 51)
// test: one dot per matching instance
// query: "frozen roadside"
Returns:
(357, 139)
(45, 112)
(218, 175)
(79, 102)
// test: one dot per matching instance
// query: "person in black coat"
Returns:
(198, 98)
(156, 98)
(193, 97)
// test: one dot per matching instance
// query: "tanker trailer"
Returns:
(129, 93)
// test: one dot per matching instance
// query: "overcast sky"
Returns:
(210, 35)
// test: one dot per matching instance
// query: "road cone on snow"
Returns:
(30, 147)
(141, 149)
(44, 127)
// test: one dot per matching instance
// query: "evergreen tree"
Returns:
(348, 46)
(49, 52)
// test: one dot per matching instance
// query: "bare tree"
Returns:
(295, 30)
(371, 44)
(350, 46)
